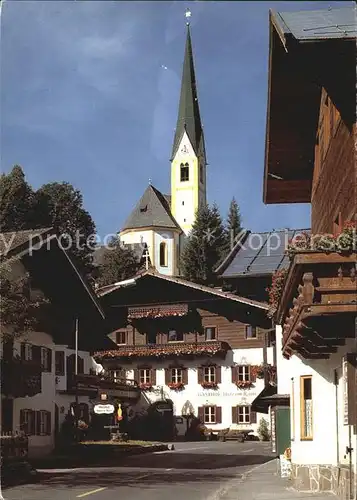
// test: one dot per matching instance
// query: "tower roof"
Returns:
(152, 210)
(189, 119)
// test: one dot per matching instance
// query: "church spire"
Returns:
(189, 119)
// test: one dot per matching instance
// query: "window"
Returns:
(244, 373)
(43, 424)
(176, 375)
(145, 375)
(243, 414)
(306, 407)
(27, 422)
(121, 337)
(175, 336)
(250, 332)
(210, 415)
(184, 172)
(46, 360)
(209, 374)
(26, 351)
(210, 333)
(163, 254)
(118, 375)
(59, 362)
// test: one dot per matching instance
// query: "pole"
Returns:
(76, 381)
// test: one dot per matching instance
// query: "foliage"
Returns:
(343, 242)
(60, 206)
(205, 247)
(259, 370)
(147, 386)
(19, 311)
(244, 384)
(176, 386)
(209, 385)
(275, 290)
(263, 430)
(57, 205)
(120, 263)
(234, 219)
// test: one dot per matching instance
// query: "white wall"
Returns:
(330, 436)
(226, 396)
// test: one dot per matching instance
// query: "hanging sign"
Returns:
(103, 409)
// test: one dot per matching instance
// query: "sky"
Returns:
(90, 92)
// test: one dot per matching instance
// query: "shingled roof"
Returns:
(12, 242)
(189, 119)
(258, 254)
(152, 210)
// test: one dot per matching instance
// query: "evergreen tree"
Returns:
(234, 220)
(204, 246)
(17, 202)
(120, 263)
(60, 205)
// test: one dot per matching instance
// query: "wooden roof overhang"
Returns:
(297, 72)
(318, 307)
(153, 289)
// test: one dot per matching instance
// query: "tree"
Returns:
(263, 430)
(204, 247)
(60, 205)
(120, 263)
(234, 220)
(57, 205)
(17, 202)
(18, 308)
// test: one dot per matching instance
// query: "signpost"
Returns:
(101, 409)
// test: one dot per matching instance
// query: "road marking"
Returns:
(91, 492)
(247, 451)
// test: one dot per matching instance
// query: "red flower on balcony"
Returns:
(147, 386)
(209, 385)
(176, 386)
(244, 384)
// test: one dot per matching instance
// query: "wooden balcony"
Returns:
(318, 306)
(162, 351)
(20, 378)
(90, 385)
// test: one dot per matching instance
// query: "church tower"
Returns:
(188, 160)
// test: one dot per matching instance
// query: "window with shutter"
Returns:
(244, 373)
(27, 421)
(209, 374)
(218, 374)
(218, 415)
(250, 332)
(210, 414)
(201, 413)
(59, 362)
(176, 375)
(234, 374)
(46, 359)
(234, 415)
(26, 351)
(144, 375)
(243, 414)
(210, 333)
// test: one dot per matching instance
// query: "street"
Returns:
(195, 471)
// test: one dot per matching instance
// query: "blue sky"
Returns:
(86, 98)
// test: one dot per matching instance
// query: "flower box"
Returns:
(176, 386)
(146, 387)
(209, 385)
(244, 384)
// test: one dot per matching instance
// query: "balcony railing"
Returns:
(173, 349)
(20, 378)
(318, 305)
(91, 384)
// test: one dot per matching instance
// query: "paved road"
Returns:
(193, 471)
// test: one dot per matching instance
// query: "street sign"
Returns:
(103, 409)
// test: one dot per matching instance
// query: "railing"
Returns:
(95, 382)
(20, 377)
(13, 447)
(171, 349)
